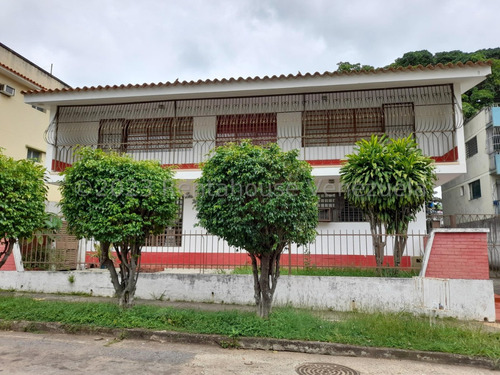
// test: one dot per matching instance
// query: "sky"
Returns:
(107, 42)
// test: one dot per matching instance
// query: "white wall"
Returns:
(462, 299)
(478, 168)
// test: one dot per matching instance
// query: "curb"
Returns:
(255, 343)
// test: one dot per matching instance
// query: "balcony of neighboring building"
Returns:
(323, 126)
(492, 118)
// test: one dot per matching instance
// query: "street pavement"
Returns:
(55, 354)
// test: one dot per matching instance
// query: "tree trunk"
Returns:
(378, 239)
(7, 250)
(399, 247)
(265, 280)
(256, 284)
(125, 282)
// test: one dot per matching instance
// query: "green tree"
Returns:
(346, 66)
(258, 199)
(415, 58)
(452, 57)
(119, 202)
(22, 201)
(484, 94)
(413, 181)
(390, 180)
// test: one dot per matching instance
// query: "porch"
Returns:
(322, 126)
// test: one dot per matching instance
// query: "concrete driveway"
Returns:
(50, 354)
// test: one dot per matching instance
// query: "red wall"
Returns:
(459, 255)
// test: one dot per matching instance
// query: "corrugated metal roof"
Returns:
(263, 79)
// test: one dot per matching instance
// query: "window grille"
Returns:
(261, 128)
(172, 236)
(340, 126)
(493, 139)
(471, 147)
(146, 134)
(399, 119)
(111, 134)
(335, 207)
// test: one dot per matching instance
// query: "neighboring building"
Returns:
(322, 115)
(478, 190)
(22, 126)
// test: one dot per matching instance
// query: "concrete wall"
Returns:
(456, 193)
(462, 299)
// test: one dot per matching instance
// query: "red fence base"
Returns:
(157, 261)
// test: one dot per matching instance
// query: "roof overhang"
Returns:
(18, 78)
(462, 76)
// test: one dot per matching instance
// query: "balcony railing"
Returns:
(324, 126)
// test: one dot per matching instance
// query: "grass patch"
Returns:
(337, 271)
(403, 331)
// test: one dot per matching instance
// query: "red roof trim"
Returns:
(42, 88)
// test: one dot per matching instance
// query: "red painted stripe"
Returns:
(332, 162)
(450, 156)
(59, 166)
(160, 260)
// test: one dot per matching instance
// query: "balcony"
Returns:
(323, 126)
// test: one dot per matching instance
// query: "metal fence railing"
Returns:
(49, 251)
(198, 251)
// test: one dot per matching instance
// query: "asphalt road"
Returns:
(50, 354)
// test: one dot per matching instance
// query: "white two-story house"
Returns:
(321, 114)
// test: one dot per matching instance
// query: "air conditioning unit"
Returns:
(7, 90)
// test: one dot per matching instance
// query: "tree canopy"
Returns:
(484, 94)
(390, 180)
(22, 201)
(118, 201)
(259, 199)
(346, 66)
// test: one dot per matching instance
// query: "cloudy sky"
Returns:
(99, 42)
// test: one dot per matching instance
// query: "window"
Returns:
(39, 108)
(340, 126)
(475, 190)
(172, 236)
(261, 128)
(471, 147)
(160, 134)
(34, 155)
(334, 207)
(146, 134)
